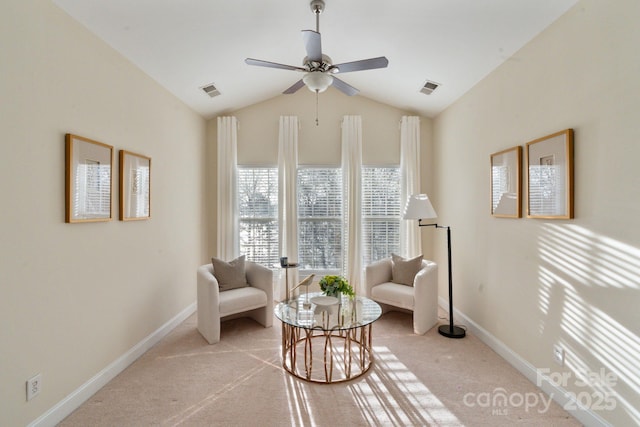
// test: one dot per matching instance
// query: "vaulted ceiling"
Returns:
(186, 45)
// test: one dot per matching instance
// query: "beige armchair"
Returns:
(421, 298)
(255, 300)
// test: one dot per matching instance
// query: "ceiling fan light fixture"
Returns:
(317, 81)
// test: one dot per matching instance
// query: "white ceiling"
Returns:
(187, 44)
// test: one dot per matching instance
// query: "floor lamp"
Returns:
(419, 207)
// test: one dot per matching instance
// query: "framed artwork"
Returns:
(550, 176)
(135, 186)
(88, 183)
(506, 183)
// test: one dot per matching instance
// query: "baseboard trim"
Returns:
(70, 403)
(557, 393)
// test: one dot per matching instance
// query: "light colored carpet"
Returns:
(415, 381)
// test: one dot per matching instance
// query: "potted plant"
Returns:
(336, 285)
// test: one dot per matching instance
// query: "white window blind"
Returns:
(380, 212)
(320, 236)
(258, 212)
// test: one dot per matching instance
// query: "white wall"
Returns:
(320, 145)
(533, 283)
(75, 297)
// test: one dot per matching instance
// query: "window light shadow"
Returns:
(581, 274)
(389, 394)
(393, 395)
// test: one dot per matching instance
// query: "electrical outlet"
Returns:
(34, 385)
(558, 355)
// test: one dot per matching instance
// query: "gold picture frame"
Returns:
(88, 180)
(506, 183)
(135, 186)
(550, 176)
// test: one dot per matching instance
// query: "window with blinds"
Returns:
(320, 236)
(258, 214)
(380, 212)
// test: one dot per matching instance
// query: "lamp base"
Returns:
(451, 331)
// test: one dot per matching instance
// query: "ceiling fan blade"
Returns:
(297, 85)
(343, 87)
(261, 63)
(365, 64)
(313, 45)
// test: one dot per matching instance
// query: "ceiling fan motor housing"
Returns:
(325, 65)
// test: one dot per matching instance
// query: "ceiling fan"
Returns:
(318, 68)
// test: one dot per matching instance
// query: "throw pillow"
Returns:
(403, 271)
(230, 275)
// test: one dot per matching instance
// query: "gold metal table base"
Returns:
(346, 354)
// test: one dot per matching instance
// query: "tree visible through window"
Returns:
(320, 240)
(380, 212)
(258, 214)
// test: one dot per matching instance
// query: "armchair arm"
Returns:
(260, 277)
(425, 284)
(375, 273)
(208, 304)
(426, 277)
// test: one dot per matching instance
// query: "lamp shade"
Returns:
(317, 81)
(419, 207)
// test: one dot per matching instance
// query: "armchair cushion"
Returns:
(243, 299)
(403, 271)
(230, 275)
(394, 294)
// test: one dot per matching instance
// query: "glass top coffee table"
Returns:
(335, 331)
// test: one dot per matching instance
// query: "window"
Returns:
(380, 212)
(258, 214)
(320, 240)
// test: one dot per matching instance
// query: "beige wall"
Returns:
(320, 145)
(75, 297)
(530, 282)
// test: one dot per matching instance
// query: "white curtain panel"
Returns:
(288, 197)
(228, 245)
(410, 243)
(352, 192)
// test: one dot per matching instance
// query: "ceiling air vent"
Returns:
(210, 90)
(429, 87)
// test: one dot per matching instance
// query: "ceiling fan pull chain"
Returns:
(317, 122)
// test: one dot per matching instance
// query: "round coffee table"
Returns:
(338, 332)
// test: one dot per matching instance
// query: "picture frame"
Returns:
(550, 186)
(88, 180)
(506, 183)
(135, 186)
